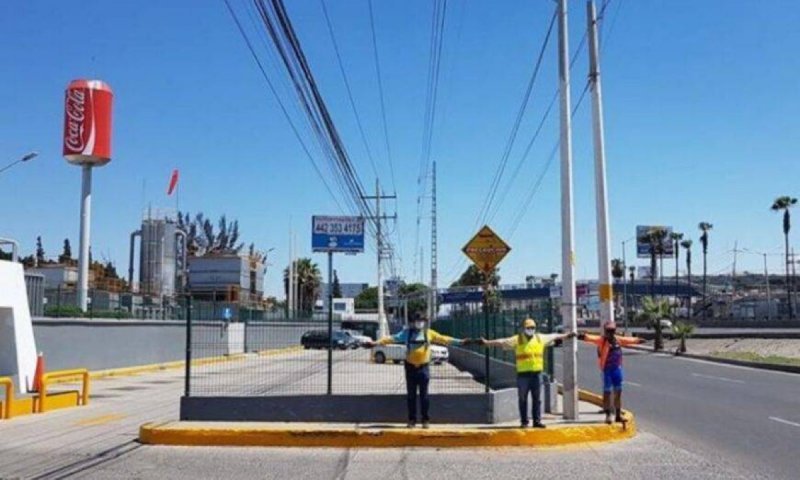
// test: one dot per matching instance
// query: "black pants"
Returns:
(417, 379)
(529, 383)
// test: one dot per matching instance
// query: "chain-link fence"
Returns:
(278, 358)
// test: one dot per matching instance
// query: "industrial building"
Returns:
(226, 278)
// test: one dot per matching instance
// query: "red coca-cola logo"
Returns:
(76, 119)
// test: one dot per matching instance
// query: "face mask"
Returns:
(419, 325)
(530, 331)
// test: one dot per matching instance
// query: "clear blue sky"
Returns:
(701, 106)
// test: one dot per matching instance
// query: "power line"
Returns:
(484, 212)
(380, 91)
(347, 87)
(280, 103)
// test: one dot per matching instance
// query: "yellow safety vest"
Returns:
(530, 354)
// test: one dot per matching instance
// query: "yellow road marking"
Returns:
(101, 420)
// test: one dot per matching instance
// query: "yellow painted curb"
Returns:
(183, 433)
(265, 435)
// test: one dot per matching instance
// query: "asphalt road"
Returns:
(744, 418)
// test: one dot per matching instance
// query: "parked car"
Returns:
(320, 339)
(397, 353)
(666, 325)
(358, 336)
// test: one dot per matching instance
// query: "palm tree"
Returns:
(655, 238)
(687, 244)
(653, 311)
(705, 227)
(676, 240)
(309, 280)
(683, 330)
(785, 203)
(618, 272)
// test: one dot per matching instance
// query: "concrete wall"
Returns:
(494, 407)
(101, 344)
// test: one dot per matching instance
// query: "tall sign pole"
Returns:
(568, 312)
(87, 143)
(330, 235)
(601, 194)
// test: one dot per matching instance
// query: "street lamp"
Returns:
(28, 156)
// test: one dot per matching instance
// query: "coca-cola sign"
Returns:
(87, 122)
(76, 115)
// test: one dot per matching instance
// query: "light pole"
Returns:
(27, 157)
(766, 280)
(625, 283)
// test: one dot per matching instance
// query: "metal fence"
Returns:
(280, 358)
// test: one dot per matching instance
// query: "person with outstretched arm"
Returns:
(417, 338)
(529, 347)
(609, 359)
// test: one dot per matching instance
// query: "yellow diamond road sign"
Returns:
(486, 249)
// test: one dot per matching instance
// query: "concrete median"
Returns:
(264, 434)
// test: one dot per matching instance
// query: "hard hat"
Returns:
(529, 323)
(610, 326)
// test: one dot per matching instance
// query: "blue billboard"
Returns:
(337, 234)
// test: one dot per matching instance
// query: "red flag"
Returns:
(173, 182)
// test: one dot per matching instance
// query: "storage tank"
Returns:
(158, 257)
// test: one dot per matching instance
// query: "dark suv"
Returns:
(319, 339)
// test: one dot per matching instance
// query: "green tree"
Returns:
(653, 311)
(66, 253)
(705, 227)
(40, 260)
(309, 280)
(417, 296)
(785, 203)
(654, 237)
(337, 287)
(367, 299)
(474, 277)
(687, 244)
(683, 330)
(617, 269)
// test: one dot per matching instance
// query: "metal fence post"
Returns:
(330, 322)
(188, 366)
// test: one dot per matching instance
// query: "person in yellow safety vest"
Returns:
(417, 338)
(529, 347)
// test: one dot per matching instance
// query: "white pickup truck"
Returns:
(397, 353)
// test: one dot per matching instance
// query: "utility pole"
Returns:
(290, 278)
(769, 299)
(601, 194)
(434, 308)
(383, 325)
(733, 276)
(568, 313)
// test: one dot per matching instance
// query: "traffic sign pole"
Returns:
(330, 322)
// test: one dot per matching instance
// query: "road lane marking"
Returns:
(101, 420)
(714, 377)
(633, 383)
(787, 422)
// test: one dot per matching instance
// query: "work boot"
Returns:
(426, 424)
(411, 424)
(524, 424)
(538, 425)
(619, 418)
(609, 417)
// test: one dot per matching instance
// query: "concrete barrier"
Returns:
(101, 344)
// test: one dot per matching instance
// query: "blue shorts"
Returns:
(612, 379)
